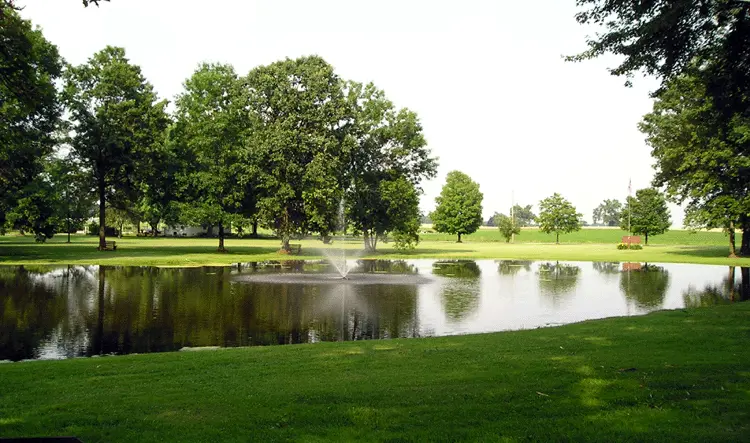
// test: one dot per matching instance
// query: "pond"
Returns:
(70, 311)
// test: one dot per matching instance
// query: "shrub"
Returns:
(631, 246)
(92, 228)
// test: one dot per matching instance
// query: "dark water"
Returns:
(70, 311)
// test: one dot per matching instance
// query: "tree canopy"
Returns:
(459, 206)
(211, 133)
(701, 160)
(389, 153)
(116, 118)
(608, 213)
(646, 214)
(29, 104)
(558, 215)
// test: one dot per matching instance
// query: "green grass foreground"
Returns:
(591, 245)
(667, 376)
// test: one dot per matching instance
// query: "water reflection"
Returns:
(512, 267)
(558, 279)
(460, 293)
(645, 285)
(68, 311)
(728, 291)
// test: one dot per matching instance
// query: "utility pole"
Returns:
(513, 215)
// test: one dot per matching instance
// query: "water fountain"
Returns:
(337, 255)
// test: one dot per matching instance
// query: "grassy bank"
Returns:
(667, 376)
(202, 251)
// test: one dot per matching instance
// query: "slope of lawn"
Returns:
(668, 376)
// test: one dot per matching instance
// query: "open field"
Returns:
(668, 376)
(202, 251)
(592, 235)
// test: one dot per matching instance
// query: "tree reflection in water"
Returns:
(645, 285)
(558, 279)
(728, 291)
(513, 267)
(460, 294)
(120, 310)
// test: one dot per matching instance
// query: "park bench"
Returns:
(110, 245)
(295, 248)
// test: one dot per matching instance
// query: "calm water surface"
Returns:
(71, 311)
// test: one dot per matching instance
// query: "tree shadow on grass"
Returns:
(701, 251)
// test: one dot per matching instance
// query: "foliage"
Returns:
(636, 246)
(300, 145)
(459, 206)
(389, 151)
(76, 201)
(701, 160)
(401, 201)
(29, 106)
(665, 37)
(211, 136)
(36, 210)
(557, 278)
(646, 213)
(558, 215)
(523, 215)
(116, 120)
(506, 226)
(608, 213)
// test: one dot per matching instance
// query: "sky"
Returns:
(487, 78)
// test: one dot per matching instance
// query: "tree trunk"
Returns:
(557, 238)
(647, 239)
(119, 231)
(221, 238)
(745, 284)
(459, 238)
(745, 248)
(366, 236)
(255, 228)
(138, 228)
(732, 241)
(99, 337)
(102, 217)
(730, 283)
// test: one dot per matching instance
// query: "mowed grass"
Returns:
(667, 376)
(141, 251)
(592, 235)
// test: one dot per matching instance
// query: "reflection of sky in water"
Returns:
(54, 311)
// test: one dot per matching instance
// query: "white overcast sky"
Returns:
(486, 77)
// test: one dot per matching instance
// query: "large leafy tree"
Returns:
(459, 206)
(608, 212)
(116, 119)
(702, 160)
(300, 148)
(646, 214)
(558, 215)
(212, 127)
(387, 163)
(29, 106)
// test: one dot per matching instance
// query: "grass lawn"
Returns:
(678, 246)
(667, 376)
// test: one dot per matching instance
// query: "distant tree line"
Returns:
(280, 147)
